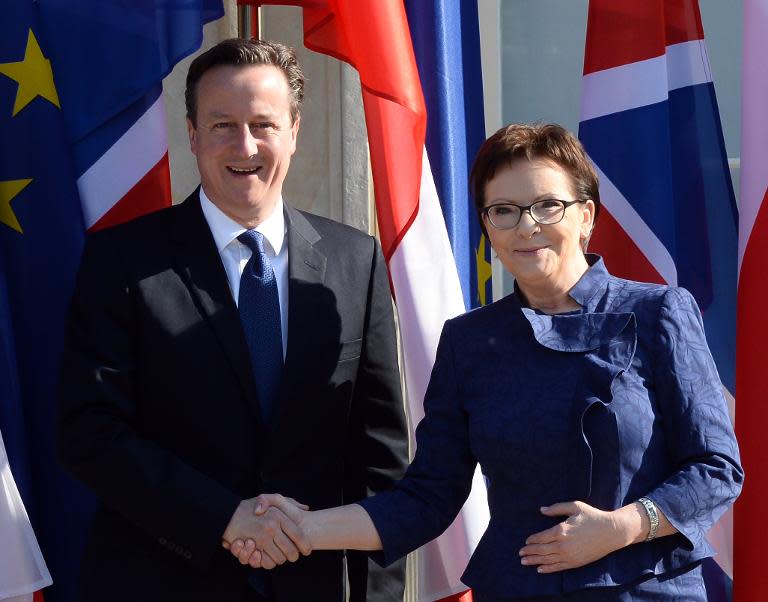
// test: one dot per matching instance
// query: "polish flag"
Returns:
(751, 579)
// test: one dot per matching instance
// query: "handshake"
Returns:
(268, 530)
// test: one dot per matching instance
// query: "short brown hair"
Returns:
(534, 141)
(241, 52)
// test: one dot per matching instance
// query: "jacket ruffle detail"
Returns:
(607, 342)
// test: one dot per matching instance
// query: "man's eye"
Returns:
(223, 125)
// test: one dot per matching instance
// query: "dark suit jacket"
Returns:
(159, 416)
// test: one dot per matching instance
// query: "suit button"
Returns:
(162, 541)
(187, 554)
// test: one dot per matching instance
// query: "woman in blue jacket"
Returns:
(591, 403)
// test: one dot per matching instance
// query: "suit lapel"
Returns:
(306, 274)
(199, 264)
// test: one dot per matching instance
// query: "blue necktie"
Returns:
(260, 314)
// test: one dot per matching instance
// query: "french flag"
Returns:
(445, 36)
(650, 124)
(751, 581)
(110, 58)
(446, 42)
(130, 176)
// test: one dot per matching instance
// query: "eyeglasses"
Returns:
(504, 216)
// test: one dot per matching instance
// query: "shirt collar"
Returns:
(591, 283)
(225, 229)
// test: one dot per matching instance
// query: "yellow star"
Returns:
(8, 190)
(483, 270)
(34, 75)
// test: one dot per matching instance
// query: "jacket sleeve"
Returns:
(378, 452)
(99, 440)
(697, 427)
(439, 479)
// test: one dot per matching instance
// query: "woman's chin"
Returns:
(533, 268)
(533, 280)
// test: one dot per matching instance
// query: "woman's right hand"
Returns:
(247, 552)
(342, 528)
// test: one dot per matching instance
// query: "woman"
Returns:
(592, 404)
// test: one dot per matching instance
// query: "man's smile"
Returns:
(244, 171)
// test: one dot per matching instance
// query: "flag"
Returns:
(41, 235)
(82, 147)
(751, 581)
(373, 36)
(446, 42)
(110, 58)
(650, 124)
(22, 567)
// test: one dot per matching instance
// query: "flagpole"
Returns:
(248, 22)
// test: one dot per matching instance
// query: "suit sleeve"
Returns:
(99, 439)
(439, 480)
(378, 453)
(696, 423)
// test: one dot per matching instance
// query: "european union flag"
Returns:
(74, 78)
(41, 236)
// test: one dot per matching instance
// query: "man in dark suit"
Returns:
(224, 347)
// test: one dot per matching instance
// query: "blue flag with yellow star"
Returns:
(75, 76)
(41, 236)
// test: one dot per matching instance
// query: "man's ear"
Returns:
(295, 133)
(192, 131)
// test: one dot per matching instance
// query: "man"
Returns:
(224, 347)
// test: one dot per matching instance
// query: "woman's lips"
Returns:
(529, 252)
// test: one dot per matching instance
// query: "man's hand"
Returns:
(276, 537)
(249, 551)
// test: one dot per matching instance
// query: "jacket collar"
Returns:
(306, 275)
(199, 265)
(588, 290)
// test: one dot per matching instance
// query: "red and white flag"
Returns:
(750, 576)
(373, 36)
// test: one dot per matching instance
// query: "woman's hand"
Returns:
(246, 551)
(343, 528)
(588, 534)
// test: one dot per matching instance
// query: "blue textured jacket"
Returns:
(607, 404)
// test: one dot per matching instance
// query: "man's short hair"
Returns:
(243, 52)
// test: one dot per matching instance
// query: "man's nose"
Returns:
(246, 142)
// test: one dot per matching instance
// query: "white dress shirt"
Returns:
(234, 254)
